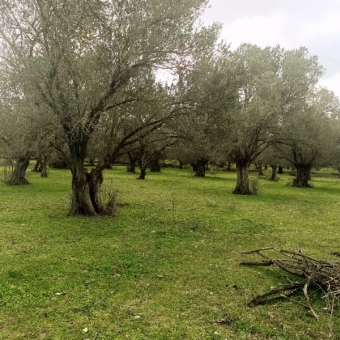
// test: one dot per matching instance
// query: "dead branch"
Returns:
(313, 274)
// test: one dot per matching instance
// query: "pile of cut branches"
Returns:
(312, 274)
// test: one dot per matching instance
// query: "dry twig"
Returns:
(314, 274)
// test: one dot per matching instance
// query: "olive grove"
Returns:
(80, 60)
(82, 77)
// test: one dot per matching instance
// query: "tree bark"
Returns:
(201, 166)
(86, 199)
(194, 166)
(37, 166)
(43, 166)
(142, 172)
(274, 170)
(280, 170)
(242, 185)
(155, 166)
(302, 176)
(143, 162)
(259, 169)
(18, 177)
(132, 166)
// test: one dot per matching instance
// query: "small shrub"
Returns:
(254, 185)
(111, 204)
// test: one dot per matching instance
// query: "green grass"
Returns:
(167, 266)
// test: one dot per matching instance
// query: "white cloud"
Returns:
(314, 24)
(332, 83)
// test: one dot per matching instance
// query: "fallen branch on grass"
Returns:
(312, 274)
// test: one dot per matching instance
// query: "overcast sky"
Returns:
(314, 24)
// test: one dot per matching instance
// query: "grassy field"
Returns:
(167, 266)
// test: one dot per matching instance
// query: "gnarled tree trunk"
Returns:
(242, 185)
(200, 167)
(302, 176)
(274, 170)
(18, 177)
(86, 199)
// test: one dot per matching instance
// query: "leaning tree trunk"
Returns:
(274, 170)
(242, 185)
(18, 177)
(200, 167)
(37, 166)
(302, 176)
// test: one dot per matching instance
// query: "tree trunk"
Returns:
(37, 166)
(86, 199)
(280, 169)
(180, 164)
(274, 170)
(302, 176)
(155, 166)
(142, 172)
(229, 166)
(43, 166)
(242, 186)
(259, 169)
(132, 167)
(18, 177)
(194, 166)
(201, 166)
(143, 162)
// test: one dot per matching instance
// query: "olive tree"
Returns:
(273, 84)
(312, 135)
(78, 59)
